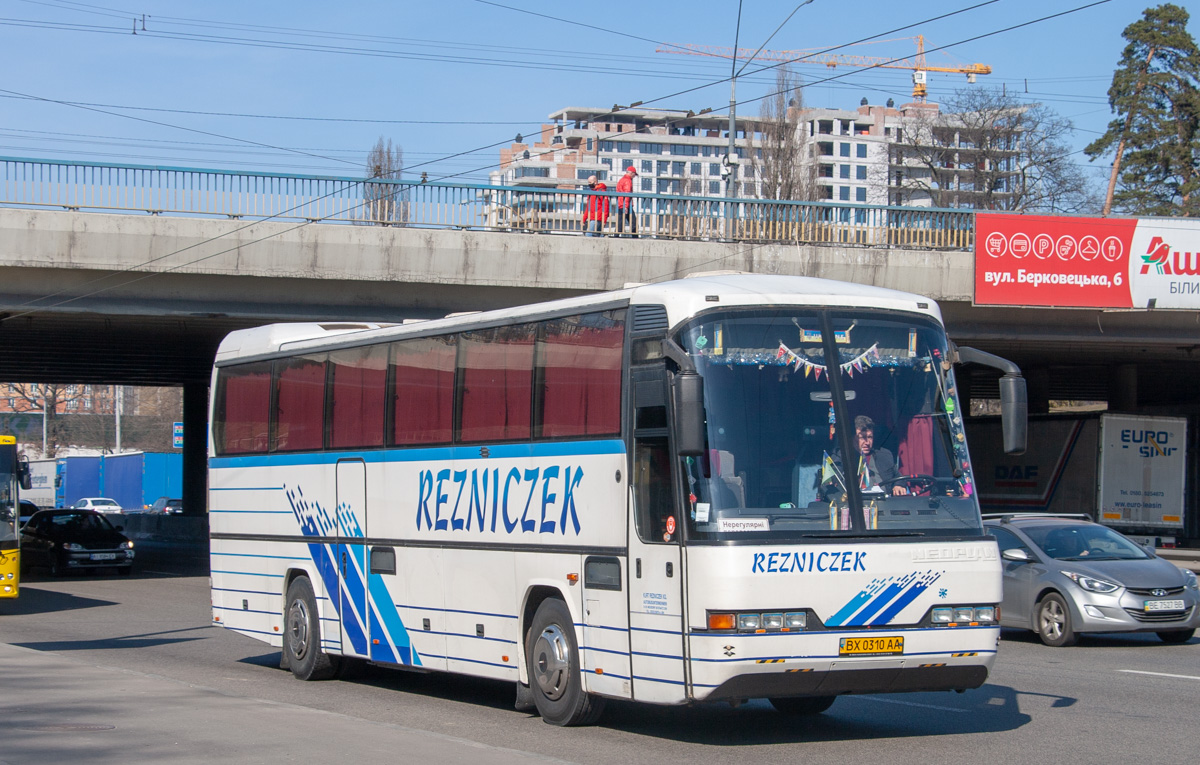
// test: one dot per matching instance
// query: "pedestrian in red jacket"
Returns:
(626, 214)
(595, 211)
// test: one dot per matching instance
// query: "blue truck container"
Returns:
(133, 479)
(136, 479)
(77, 477)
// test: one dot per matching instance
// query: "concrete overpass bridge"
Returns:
(132, 275)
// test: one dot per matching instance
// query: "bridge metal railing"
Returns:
(332, 199)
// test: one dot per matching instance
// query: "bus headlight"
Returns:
(749, 622)
(963, 616)
(771, 621)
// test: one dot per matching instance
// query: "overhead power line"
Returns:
(481, 148)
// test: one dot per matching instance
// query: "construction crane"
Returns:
(916, 65)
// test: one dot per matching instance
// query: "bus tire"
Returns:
(802, 705)
(302, 634)
(552, 657)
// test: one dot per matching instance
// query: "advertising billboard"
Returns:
(1059, 261)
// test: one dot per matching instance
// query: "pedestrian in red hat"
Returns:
(626, 214)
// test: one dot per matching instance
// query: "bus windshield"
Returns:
(774, 467)
(9, 507)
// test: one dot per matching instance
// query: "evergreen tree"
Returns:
(1155, 138)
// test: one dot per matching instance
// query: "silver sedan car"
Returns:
(1064, 575)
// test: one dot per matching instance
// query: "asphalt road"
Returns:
(120, 670)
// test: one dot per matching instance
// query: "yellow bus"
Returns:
(14, 475)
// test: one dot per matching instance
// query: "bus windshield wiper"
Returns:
(870, 533)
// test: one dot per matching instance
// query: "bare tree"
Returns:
(48, 398)
(386, 203)
(988, 150)
(785, 169)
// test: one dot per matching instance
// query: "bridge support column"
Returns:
(195, 449)
(1123, 388)
(1038, 382)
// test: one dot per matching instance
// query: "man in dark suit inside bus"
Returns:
(880, 464)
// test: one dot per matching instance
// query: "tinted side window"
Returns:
(359, 383)
(242, 407)
(652, 487)
(423, 391)
(1007, 540)
(300, 403)
(497, 383)
(579, 369)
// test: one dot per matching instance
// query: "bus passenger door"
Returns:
(656, 621)
(351, 556)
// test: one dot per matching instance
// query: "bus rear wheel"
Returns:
(302, 634)
(552, 658)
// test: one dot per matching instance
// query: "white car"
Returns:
(99, 504)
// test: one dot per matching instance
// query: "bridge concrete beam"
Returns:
(360, 266)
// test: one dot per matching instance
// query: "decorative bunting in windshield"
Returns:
(857, 364)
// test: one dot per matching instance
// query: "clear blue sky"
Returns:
(355, 70)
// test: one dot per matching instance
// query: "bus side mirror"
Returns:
(1014, 404)
(24, 476)
(1014, 413)
(689, 414)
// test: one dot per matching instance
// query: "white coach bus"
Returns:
(639, 495)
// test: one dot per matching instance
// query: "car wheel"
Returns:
(302, 634)
(1176, 636)
(802, 705)
(552, 658)
(1054, 621)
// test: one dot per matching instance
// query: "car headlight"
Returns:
(127, 543)
(1189, 579)
(1091, 584)
(71, 546)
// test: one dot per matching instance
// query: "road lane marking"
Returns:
(912, 704)
(1159, 674)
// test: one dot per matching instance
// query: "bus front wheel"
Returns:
(552, 657)
(302, 634)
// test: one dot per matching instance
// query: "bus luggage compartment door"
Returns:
(351, 557)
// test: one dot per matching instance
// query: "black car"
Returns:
(69, 540)
(166, 506)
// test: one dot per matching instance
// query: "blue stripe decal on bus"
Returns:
(381, 649)
(248, 573)
(437, 454)
(246, 488)
(469, 636)
(622, 630)
(253, 555)
(244, 592)
(455, 611)
(909, 596)
(603, 650)
(382, 601)
(658, 680)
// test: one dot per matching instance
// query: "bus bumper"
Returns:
(933, 660)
